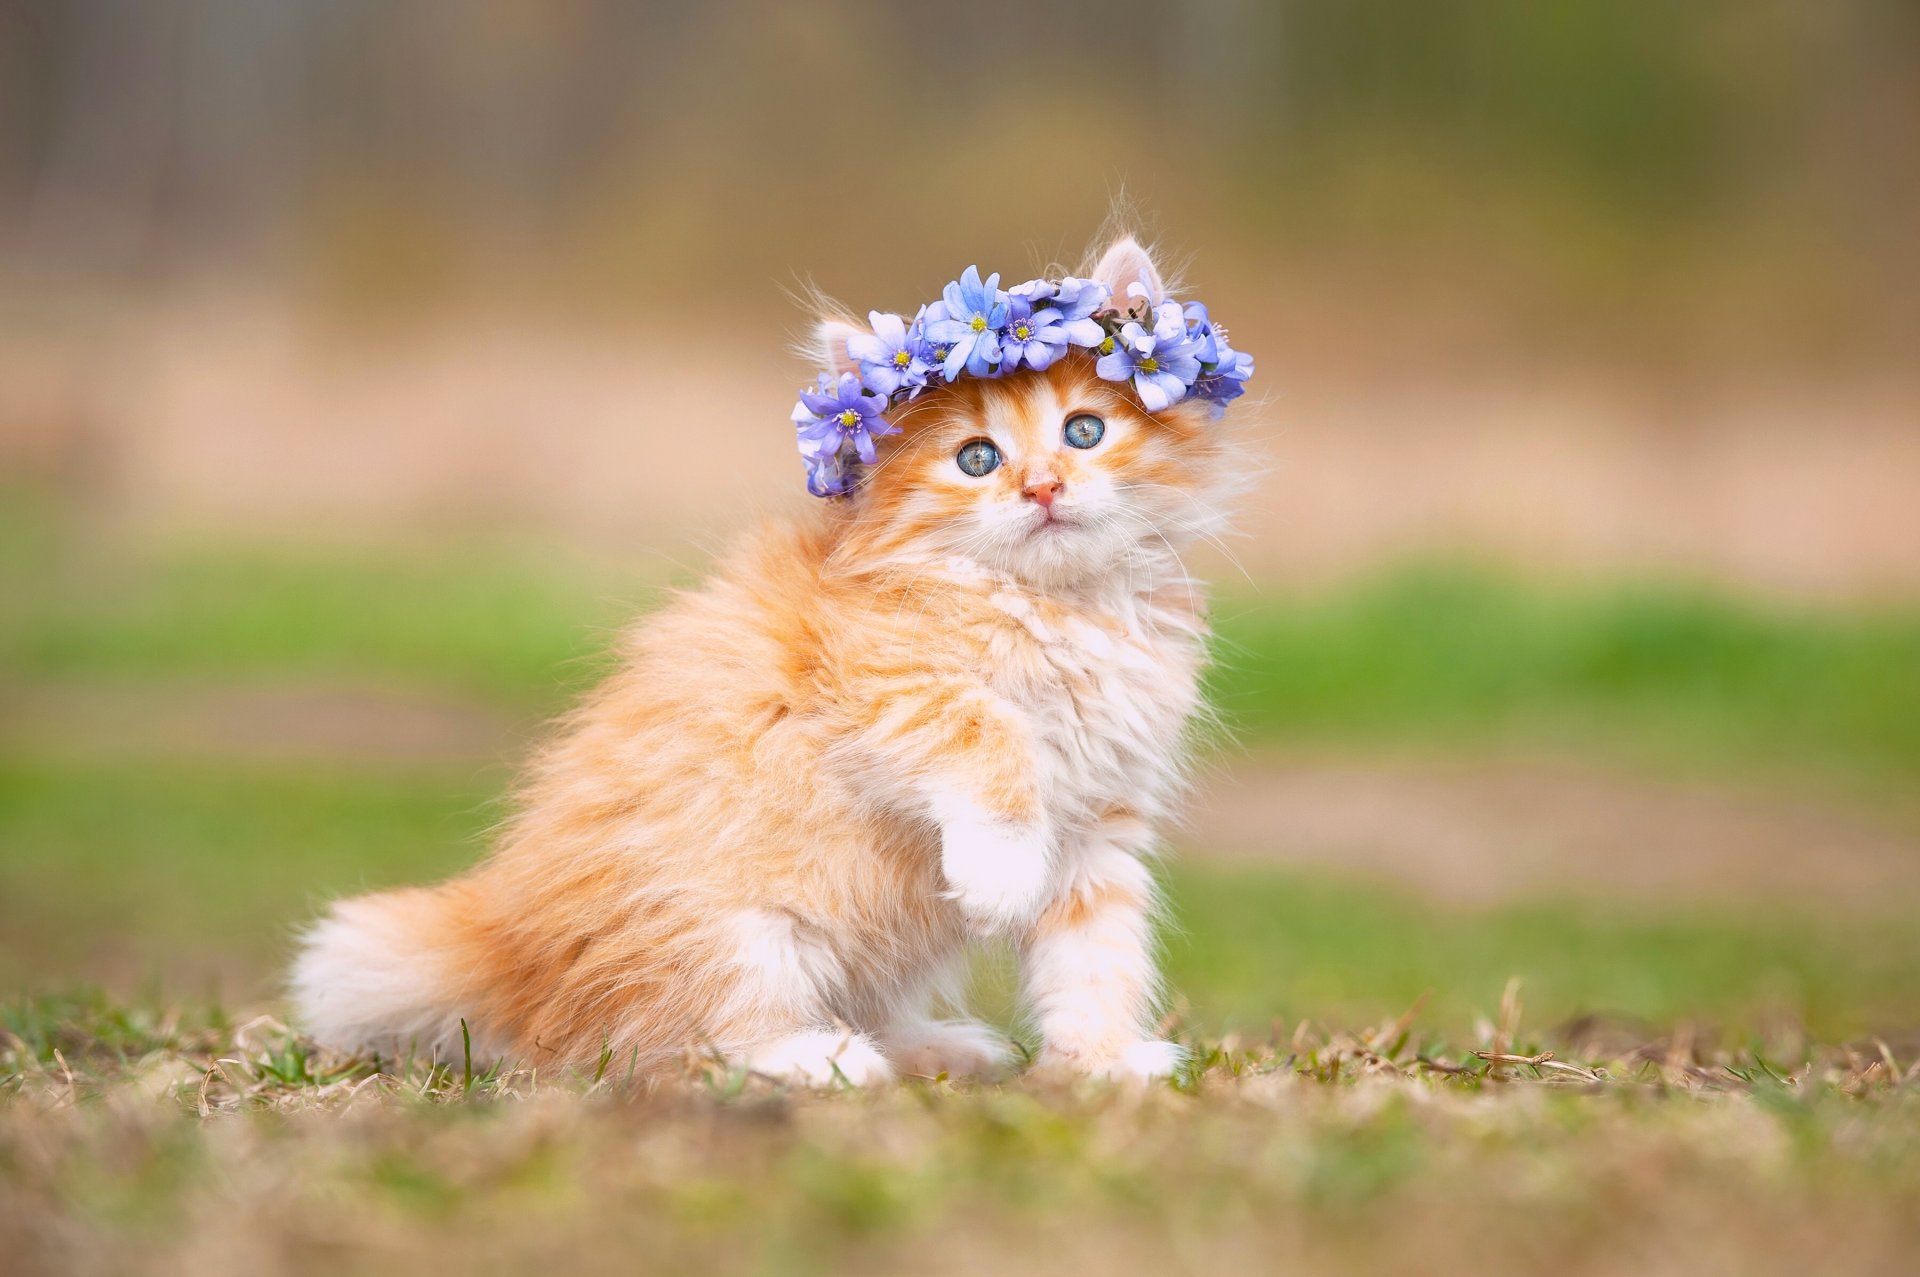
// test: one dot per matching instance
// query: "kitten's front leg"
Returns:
(1090, 972)
(968, 761)
(997, 864)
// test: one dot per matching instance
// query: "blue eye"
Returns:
(978, 458)
(1084, 430)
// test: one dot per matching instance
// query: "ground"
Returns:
(138, 1142)
(1457, 822)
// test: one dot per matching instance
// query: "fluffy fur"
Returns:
(933, 712)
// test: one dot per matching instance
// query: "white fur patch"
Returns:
(363, 982)
(821, 1057)
(786, 972)
(1142, 1062)
(998, 873)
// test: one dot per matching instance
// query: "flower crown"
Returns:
(1167, 350)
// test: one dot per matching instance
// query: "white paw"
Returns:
(997, 873)
(1142, 1062)
(821, 1057)
(957, 1048)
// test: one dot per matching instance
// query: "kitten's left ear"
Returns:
(830, 345)
(1124, 264)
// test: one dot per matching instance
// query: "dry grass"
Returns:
(142, 1140)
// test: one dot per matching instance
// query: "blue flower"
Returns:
(1223, 370)
(838, 413)
(1167, 351)
(968, 320)
(893, 357)
(1161, 363)
(828, 477)
(1077, 300)
(1035, 337)
(1225, 381)
(1205, 336)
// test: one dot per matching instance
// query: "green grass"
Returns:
(508, 629)
(189, 874)
(1254, 945)
(137, 1137)
(1664, 677)
(136, 868)
(147, 870)
(1690, 1121)
(1660, 676)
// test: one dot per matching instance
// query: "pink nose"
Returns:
(1044, 490)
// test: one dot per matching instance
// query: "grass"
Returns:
(1661, 676)
(143, 866)
(1665, 677)
(138, 1138)
(1729, 1088)
(192, 875)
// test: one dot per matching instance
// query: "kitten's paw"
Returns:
(957, 1048)
(821, 1057)
(997, 873)
(1144, 1061)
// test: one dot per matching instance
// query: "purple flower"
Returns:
(1161, 363)
(968, 320)
(893, 356)
(1035, 337)
(828, 477)
(1205, 335)
(1077, 300)
(1226, 380)
(1223, 370)
(838, 413)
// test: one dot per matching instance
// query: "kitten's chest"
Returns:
(1108, 693)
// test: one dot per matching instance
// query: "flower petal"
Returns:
(1084, 332)
(957, 357)
(1159, 390)
(866, 348)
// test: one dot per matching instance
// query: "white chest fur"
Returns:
(1109, 689)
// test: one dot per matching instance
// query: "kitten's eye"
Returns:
(1084, 430)
(978, 457)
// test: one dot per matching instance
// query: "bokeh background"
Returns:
(362, 366)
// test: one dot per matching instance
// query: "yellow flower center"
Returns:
(979, 323)
(1106, 346)
(1149, 364)
(849, 418)
(1023, 332)
(901, 358)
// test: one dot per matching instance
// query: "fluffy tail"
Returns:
(380, 974)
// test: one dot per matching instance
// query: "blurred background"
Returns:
(362, 366)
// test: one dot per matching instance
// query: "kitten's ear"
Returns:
(1124, 264)
(830, 345)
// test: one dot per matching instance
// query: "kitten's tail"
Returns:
(380, 974)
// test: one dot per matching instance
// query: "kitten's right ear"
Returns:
(830, 345)
(1124, 264)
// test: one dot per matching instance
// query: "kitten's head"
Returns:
(1056, 476)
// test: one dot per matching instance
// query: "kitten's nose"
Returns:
(1043, 488)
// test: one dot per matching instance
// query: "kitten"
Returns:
(950, 706)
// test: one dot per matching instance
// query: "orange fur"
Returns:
(910, 719)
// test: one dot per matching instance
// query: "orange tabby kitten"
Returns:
(948, 706)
